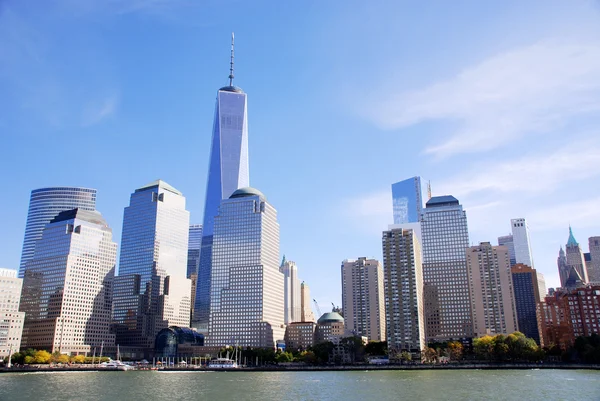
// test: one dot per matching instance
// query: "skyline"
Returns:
(98, 102)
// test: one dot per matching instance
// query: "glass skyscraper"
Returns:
(194, 243)
(407, 201)
(44, 205)
(151, 291)
(227, 171)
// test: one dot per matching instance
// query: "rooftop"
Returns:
(330, 317)
(571, 241)
(160, 184)
(439, 201)
(86, 215)
(231, 89)
(247, 191)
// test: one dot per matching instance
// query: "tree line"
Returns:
(40, 357)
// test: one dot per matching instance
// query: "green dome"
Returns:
(247, 191)
(330, 317)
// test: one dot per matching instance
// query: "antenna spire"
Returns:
(231, 62)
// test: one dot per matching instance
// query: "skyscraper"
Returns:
(575, 259)
(67, 286)
(291, 291)
(527, 296)
(194, 243)
(492, 297)
(521, 241)
(507, 241)
(151, 291)
(563, 269)
(593, 267)
(445, 239)
(407, 201)
(246, 295)
(227, 171)
(403, 288)
(11, 320)
(44, 205)
(306, 314)
(363, 302)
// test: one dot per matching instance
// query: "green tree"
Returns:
(484, 347)
(17, 358)
(308, 357)
(28, 360)
(405, 356)
(376, 348)
(42, 357)
(322, 351)
(283, 357)
(78, 359)
(354, 347)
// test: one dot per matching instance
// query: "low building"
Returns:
(329, 325)
(11, 320)
(170, 342)
(300, 335)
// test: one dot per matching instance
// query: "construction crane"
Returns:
(317, 306)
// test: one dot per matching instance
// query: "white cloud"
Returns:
(581, 214)
(532, 89)
(371, 213)
(95, 112)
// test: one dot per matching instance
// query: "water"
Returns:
(364, 386)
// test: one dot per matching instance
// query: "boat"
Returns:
(222, 363)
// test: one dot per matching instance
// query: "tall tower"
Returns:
(363, 298)
(44, 205)
(527, 296)
(306, 314)
(507, 241)
(246, 294)
(575, 259)
(563, 269)
(11, 320)
(593, 265)
(152, 291)
(291, 290)
(227, 171)
(521, 241)
(407, 201)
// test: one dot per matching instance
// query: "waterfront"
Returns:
(358, 385)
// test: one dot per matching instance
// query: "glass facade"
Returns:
(445, 240)
(44, 205)
(194, 243)
(246, 297)
(525, 284)
(507, 241)
(521, 241)
(227, 171)
(407, 201)
(152, 291)
(67, 289)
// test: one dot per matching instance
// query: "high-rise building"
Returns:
(291, 291)
(67, 286)
(246, 296)
(527, 296)
(593, 267)
(563, 269)
(152, 291)
(507, 241)
(407, 201)
(11, 320)
(306, 312)
(44, 205)
(521, 241)
(299, 335)
(575, 258)
(492, 297)
(227, 171)
(403, 289)
(194, 243)
(363, 302)
(541, 282)
(445, 239)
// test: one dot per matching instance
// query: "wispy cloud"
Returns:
(529, 90)
(97, 111)
(580, 214)
(371, 212)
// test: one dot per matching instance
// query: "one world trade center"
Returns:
(227, 171)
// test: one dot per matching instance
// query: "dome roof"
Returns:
(330, 317)
(247, 191)
(231, 89)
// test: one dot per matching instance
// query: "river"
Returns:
(359, 385)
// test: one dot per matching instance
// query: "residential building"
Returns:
(492, 296)
(306, 312)
(329, 326)
(291, 291)
(407, 201)
(299, 335)
(507, 241)
(67, 288)
(445, 239)
(527, 295)
(11, 320)
(246, 297)
(44, 205)
(575, 258)
(521, 241)
(363, 303)
(152, 291)
(227, 171)
(403, 289)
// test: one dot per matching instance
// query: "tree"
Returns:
(354, 347)
(63, 358)
(78, 359)
(429, 355)
(322, 351)
(28, 360)
(283, 357)
(376, 348)
(42, 357)
(484, 347)
(405, 356)
(455, 350)
(308, 357)
(17, 358)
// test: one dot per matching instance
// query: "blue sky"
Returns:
(494, 102)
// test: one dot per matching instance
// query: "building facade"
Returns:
(574, 257)
(521, 241)
(246, 297)
(44, 205)
(507, 241)
(291, 292)
(527, 296)
(11, 320)
(403, 289)
(227, 171)
(299, 335)
(593, 267)
(445, 239)
(194, 243)
(152, 291)
(563, 269)
(363, 301)
(306, 312)
(330, 327)
(492, 296)
(407, 201)
(67, 289)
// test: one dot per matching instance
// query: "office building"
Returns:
(407, 201)
(521, 241)
(44, 205)
(593, 266)
(299, 335)
(445, 239)
(507, 241)
(563, 269)
(152, 291)
(11, 320)
(194, 242)
(363, 301)
(246, 297)
(330, 327)
(306, 312)
(291, 291)
(527, 296)
(574, 257)
(227, 171)
(403, 288)
(541, 286)
(67, 286)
